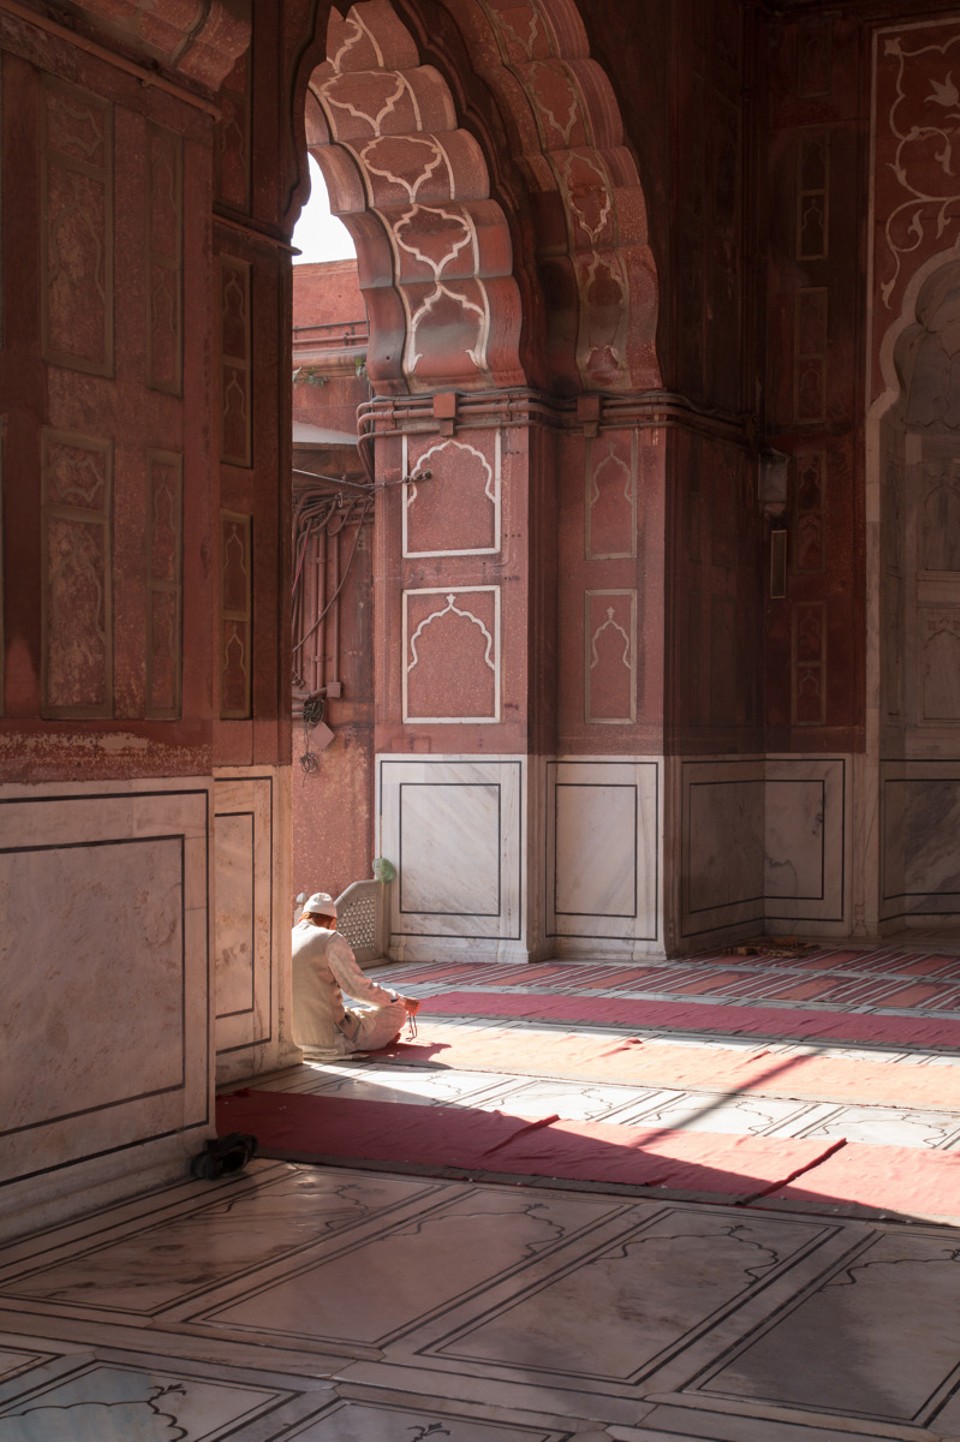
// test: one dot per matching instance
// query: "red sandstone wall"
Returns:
(814, 392)
(334, 838)
(108, 530)
(251, 292)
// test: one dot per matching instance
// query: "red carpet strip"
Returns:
(684, 1068)
(785, 1023)
(828, 1177)
(318, 1128)
(898, 1181)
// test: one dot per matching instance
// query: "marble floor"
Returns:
(332, 1304)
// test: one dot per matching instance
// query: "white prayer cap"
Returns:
(321, 904)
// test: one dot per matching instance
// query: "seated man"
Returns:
(323, 963)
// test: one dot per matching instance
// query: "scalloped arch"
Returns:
(412, 186)
(593, 251)
(434, 245)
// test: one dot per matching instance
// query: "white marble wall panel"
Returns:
(252, 923)
(722, 845)
(603, 833)
(764, 844)
(104, 955)
(805, 839)
(452, 826)
(243, 852)
(920, 839)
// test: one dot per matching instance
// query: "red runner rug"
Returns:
(785, 1023)
(319, 1128)
(827, 1177)
(684, 1068)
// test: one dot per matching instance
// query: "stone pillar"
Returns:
(465, 627)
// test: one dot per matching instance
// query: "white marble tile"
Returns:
(417, 1086)
(14, 1361)
(642, 1307)
(360, 1296)
(150, 1269)
(150, 1404)
(718, 1112)
(722, 845)
(921, 814)
(452, 828)
(804, 839)
(886, 1126)
(602, 850)
(573, 1101)
(356, 1420)
(104, 971)
(840, 1349)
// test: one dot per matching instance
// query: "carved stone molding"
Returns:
(199, 39)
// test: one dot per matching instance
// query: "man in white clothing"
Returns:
(324, 966)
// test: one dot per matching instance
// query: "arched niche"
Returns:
(920, 529)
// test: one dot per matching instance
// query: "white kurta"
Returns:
(324, 967)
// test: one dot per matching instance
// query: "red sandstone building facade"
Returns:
(658, 490)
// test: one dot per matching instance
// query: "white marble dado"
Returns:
(104, 957)
(453, 826)
(242, 851)
(920, 827)
(252, 921)
(603, 834)
(805, 805)
(763, 844)
(722, 845)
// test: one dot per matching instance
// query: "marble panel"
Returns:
(719, 1112)
(722, 880)
(244, 921)
(571, 1100)
(342, 1298)
(385, 1421)
(417, 1086)
(452, 827)
(642, 1307)
(103, 967)
(14, 1362)
(845, 1338)
(887, 1127)
(920, 819)
(149, 1267)
(602, 849)
(805, 839)
(151, 1404)
(103, 959)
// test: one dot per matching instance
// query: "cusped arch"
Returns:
(444, 293)
(927, 354)
(412, 186)
(566, 130)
